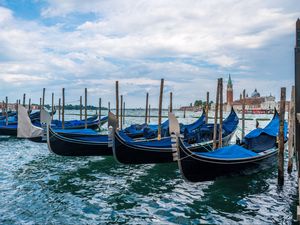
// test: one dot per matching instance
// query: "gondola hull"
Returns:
(195, 168)
(66, 146)
(10, 130)
(132, 153)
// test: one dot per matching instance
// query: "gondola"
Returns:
(149, 131)
(71, 144)
(130, 151)
(257, 150)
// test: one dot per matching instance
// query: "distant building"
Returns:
(229, 95)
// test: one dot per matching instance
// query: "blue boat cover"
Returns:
(190, 127)
(229, 152)
(163, 143)
(76, 131)
(271, 129)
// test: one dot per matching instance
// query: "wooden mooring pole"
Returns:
(43, 102)
(216, 116)
(29, 106)
(80, 108)
(146, 110)
(297, 104)
(40, 103)
(160, 108)
(281, 137)
(108, 106)
(124, 113)
(171, 102)
(59, 108)
(52, 106)
(206, 107)
(121, 113)
(100, 102)
(85, 108)
(291, 130)
(243, 113)
(6, 110)
(117, 103)
(63, 109)
(221, 114)
(149, 113)
(24, 99)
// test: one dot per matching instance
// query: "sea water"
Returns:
(38, 187)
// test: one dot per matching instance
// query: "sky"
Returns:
(91, 44)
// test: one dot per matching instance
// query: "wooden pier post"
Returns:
(85, 108)
(6, 110)
(216, 116)
(146, 110)
(124, 113)
(184, 110)
(59, 108)
(24, 98)
(63, 109)
(43, 102)
(291, 131)
(100, 103)
(221, 114)
(80, 107)
(297, 103)
(149, 114)
(29, 106)
(160, 108)
(40, 103)
(171, 102)
(243, 113)
(52, 106)
(281, 137)
(108, 106)
(207, 106)
(121, 113)
(117, 103)
(15, 106)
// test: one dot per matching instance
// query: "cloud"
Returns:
(189, 43)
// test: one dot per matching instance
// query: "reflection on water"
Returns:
(38, 187)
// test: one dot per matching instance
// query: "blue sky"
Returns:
(78, 44)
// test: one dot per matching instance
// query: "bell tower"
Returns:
(229, 92)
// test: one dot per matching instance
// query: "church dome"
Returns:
(255, 94)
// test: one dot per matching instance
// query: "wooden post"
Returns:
(44, 89)
(85, 108)
(15, 107)
(52, 106)
(40, 103)
(6, 110)
(146, 110)
(80, 107)
(171, 101)
(59, 108)
(184, 112)
(216, 116)
(160, 108)
(207, 106)
(100, 103)
(149, 113)
(121, 113)
(221, 114)
(291, 130)
(124, 113)
(108, 106)
(117, 103)
(19, 101)
(243, 114)
(24, 98)
(29, 106)
(281, 137)
(63, 109)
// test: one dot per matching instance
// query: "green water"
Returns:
(38, 187)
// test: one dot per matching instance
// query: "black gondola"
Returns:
(129, 151)
(258, 149)
(71, 144)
